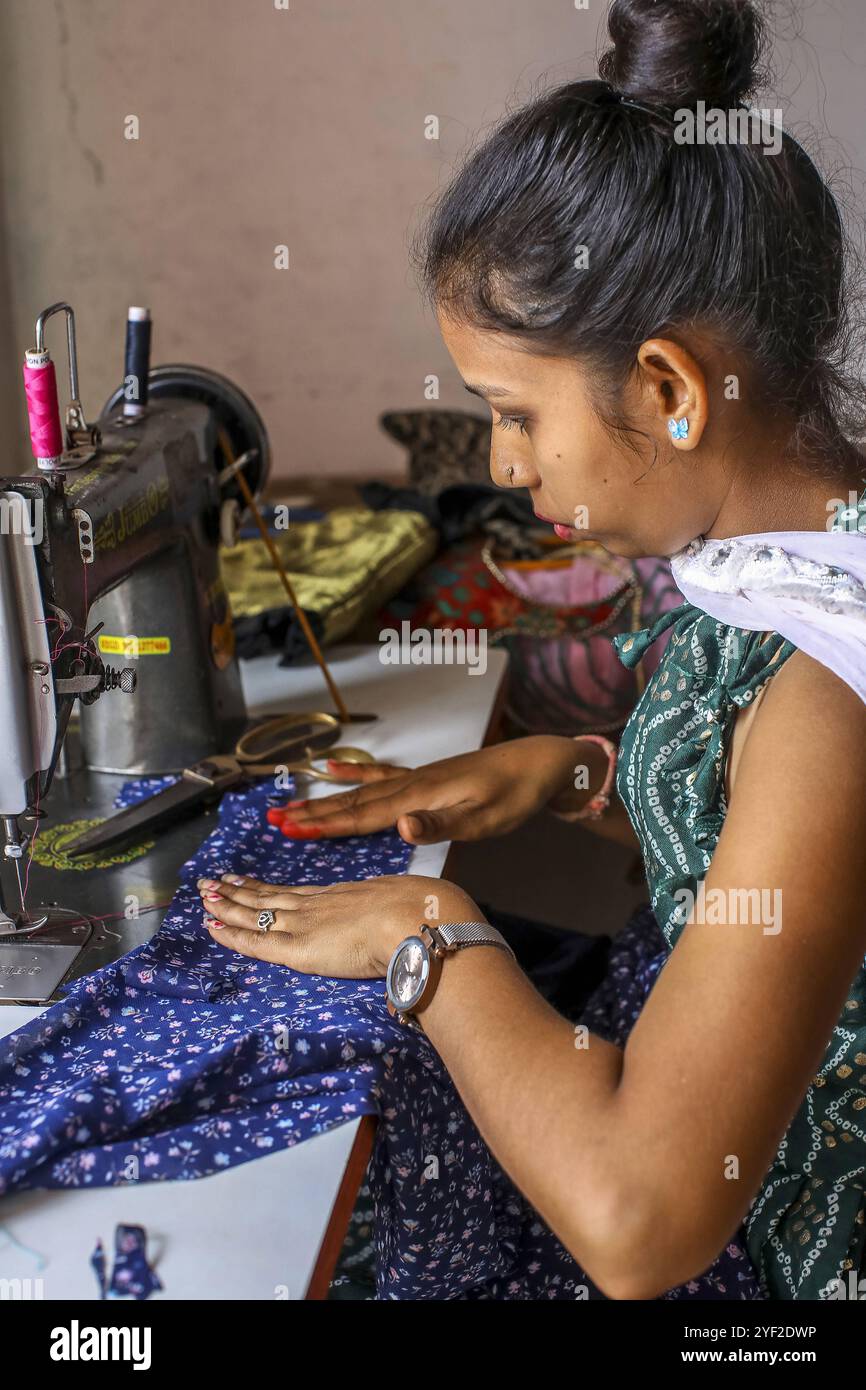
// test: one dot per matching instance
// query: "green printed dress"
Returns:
(805, 1230)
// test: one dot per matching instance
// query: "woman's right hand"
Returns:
(469, 797)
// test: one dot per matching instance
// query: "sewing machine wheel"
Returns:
(237, 416)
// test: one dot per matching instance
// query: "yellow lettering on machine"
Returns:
(134, 646)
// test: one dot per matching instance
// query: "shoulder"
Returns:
(806, 692)
(803, 758)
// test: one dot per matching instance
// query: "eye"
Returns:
(511, 422)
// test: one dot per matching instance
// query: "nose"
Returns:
(507, 469)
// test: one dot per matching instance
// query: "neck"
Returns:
(786, 497)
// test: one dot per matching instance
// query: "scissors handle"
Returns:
(341, 754)
(289, 738)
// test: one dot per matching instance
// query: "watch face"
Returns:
(408, 974)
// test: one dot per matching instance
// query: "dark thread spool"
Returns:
(136, 367)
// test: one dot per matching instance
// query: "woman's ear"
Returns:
(675, 389)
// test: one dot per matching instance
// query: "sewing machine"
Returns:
(111, 596)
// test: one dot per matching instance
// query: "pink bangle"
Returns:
(598, 804)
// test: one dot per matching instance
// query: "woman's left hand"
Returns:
(345, 930)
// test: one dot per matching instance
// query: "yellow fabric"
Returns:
(343, 567)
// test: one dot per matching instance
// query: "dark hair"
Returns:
(722, 236)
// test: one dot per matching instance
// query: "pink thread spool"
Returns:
(43, 408)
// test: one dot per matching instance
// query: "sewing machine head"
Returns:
(109, 553)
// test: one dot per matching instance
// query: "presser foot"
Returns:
(37, 951)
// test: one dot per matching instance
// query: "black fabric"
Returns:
(277, 629)
(566, 967)
(458, 511)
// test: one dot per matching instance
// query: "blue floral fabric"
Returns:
(184, 1058)
(132, 1274)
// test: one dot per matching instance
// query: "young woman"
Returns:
(657, 326)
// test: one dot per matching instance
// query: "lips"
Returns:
(563, 531)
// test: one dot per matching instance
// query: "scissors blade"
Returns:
(197, 786)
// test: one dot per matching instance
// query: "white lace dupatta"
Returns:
(809, 586)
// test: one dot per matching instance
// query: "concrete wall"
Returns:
(306, 127)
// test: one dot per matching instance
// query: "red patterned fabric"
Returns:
(556, 618)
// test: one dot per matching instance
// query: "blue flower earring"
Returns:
(679, 429)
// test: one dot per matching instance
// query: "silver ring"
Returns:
(266, 920)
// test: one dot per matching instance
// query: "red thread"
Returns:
(115, 916)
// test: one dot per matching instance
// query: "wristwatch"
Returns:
(415, 967)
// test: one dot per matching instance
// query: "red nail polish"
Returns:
(293, 805)
(293, 831)
(213, 897)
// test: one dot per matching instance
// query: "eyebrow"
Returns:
(486, 392)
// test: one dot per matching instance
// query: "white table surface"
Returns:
(254, 1231)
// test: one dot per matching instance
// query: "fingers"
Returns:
(206, 886)
(277, 947)
(432, 827)
(258, 885)
(363, 772)
(335, 931)
(321, 806)
(357, 816)
(217, 895)
(230, 913)
(423, 828)
(239, 880)
(358, 812)
(289, 938)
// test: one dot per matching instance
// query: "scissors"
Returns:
(278, 740)
(289, 743)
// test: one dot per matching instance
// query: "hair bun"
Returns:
(673, 53)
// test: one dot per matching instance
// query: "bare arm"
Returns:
(631, 1171)
(469, 797)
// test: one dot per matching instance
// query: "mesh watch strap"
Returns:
(456, 935)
